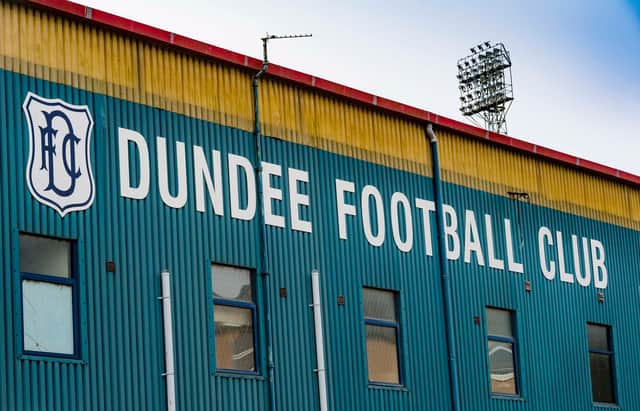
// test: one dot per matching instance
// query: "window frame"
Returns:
(611, 355)
(387, 324)
(513, 340)
(76, 299)
(252, 306)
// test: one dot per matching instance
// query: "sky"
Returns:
(576, 63)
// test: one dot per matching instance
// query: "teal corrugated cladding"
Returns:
(551, 320)
(346, 266)
(122, 320)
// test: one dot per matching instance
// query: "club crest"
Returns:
(59, 168)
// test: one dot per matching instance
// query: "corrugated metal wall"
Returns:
(475, 164)
(65, 51)
(123, 358)
(128, 83)
(122, 326)
(551, 319)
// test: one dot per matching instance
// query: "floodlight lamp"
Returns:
(485, 85)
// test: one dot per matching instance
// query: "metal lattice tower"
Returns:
(486, 88)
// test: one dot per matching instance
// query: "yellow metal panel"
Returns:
(633, 203)
(474, 163)
(306, 116)
(39, 44)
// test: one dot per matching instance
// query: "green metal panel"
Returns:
(122, 361)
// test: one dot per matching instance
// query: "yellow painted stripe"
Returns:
(61, 50)
(476, 164)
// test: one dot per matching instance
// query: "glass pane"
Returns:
(234, 338)
(379, 304)
(598, 337)
(499, 322)
(47, 311)
(382, 354)
(41, 255)
(601, 378)
(231, 283)
(502, 368)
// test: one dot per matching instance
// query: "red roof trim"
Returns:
(162, 36)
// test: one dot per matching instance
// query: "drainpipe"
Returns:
(444, 272)
(168, 340)
(317, 319)
(263, 263)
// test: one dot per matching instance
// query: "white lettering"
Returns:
(451, 232)
(126, 190)
(426, 206)
(202, 178)
(297, 200)
(370, 191)
(344, 209)
(586, 279)
(472, 239)
(600, 277)
(546, 239)
(564, 275)
(400, 199)
(512, 264)
(494, 262)
(180, 199)
(271, 193)
(235, 163)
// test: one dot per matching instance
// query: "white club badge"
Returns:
(59, 169)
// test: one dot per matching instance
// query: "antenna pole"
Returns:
(267, 37)
(263, 263)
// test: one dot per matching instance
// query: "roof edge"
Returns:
(145, 31)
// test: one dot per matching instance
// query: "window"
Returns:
(501, 346)
(601, 363)
(382, 332)
(234, 314)
(49, 297)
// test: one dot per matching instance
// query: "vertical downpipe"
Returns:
(168, 340)
(444, 272)
(317, 317)
(263, 263)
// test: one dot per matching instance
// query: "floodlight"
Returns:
(486, 89)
